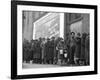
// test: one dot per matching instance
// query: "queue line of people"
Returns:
(73, 50)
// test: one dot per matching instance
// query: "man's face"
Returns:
(73, 35)
(53, 38)
(78, 35)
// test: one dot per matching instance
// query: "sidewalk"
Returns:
(29, 65)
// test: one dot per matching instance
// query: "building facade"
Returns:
(29, 17)
(73, 22)
(76, 22)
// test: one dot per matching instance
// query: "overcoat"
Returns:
(49, 50)
(87, 49)
(83, 46)
(78, 47)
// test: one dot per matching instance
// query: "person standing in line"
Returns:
(40, 42)
(47, 51)
(25, 51)
(36, 51)
(39, 50)
(67, 44)
(43, 46)
(78, 48)
(33, 50)
(52, 49)
(72, 48)
(56, 51)
(87, 50)
(60, 47)
(82, 62)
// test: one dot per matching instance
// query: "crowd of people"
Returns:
(72, 50)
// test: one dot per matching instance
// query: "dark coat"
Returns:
(27, 51)
(36, 50)
(43, 46)
(49, 50)
(55, 49)
(83, 46)
(78, 47)
(60, 46)
(29, 54)
(87, 49)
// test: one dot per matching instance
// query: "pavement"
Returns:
(31, 65)
(34, 65)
